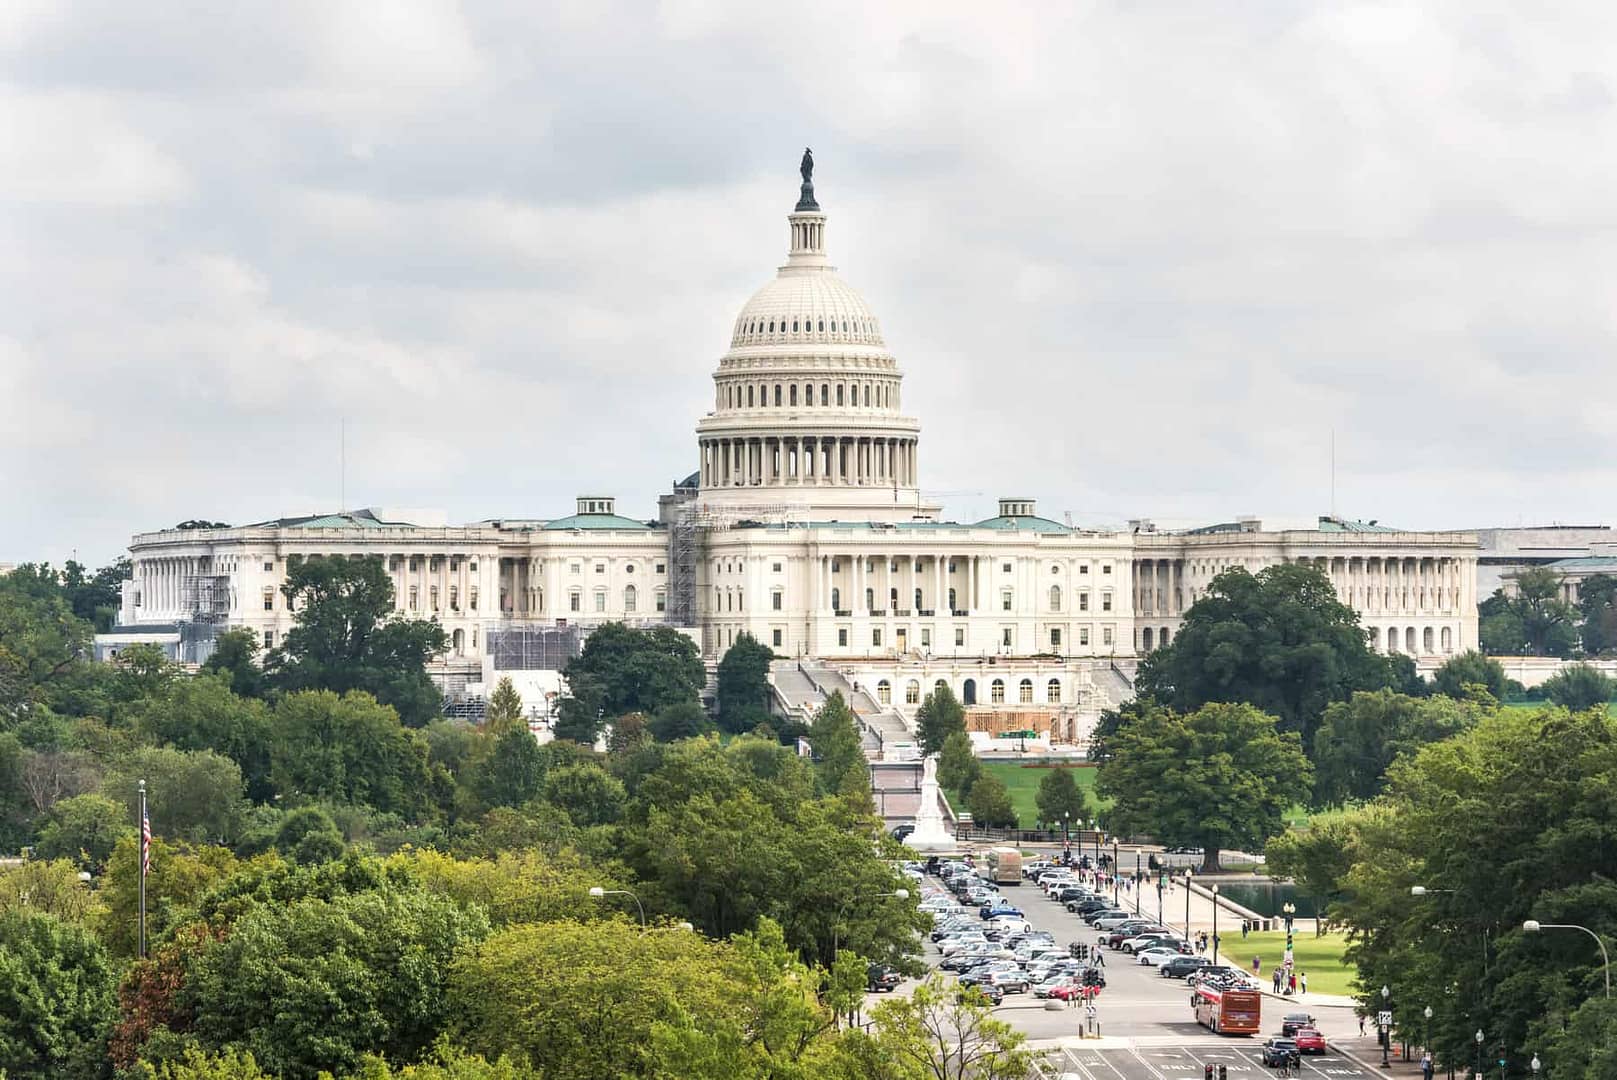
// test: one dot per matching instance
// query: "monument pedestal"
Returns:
(930, 834)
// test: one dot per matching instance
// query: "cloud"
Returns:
(1137, 260)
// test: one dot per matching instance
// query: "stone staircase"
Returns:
(879, 725)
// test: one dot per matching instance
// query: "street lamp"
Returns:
(598, 892)
(1187, 904)
(1386, 1035)
(1535, 1064)
(1533, 926)
(1214, 891)
(1479, 1053)
(1066, 835)
(836, 927)
(1427, 1012)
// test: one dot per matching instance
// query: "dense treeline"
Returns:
(342, 882)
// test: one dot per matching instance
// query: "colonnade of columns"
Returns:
(841, 581)
(1402, 583)
(809, 460)
(1159, 586)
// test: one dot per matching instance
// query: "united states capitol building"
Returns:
(804, 524)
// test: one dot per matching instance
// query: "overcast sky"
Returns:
(1136, 259)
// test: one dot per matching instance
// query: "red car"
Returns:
(1309, 1040)
(1074, 992)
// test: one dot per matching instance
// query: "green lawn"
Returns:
(1534, 706)
(1321, 957)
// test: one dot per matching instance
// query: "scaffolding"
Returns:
(532, 646)
(205, 597)
(687, 536)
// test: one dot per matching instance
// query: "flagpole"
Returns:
(145, 849)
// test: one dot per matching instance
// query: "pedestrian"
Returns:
(1100, 958)
(1425, 1061)
(1276, 981)
(1292, 984)
(1244, 929)
(1305, 982)
(1257, 965)
(1361, 1025)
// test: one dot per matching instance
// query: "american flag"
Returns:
(145, 843)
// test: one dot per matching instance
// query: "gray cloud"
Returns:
(1136, 259)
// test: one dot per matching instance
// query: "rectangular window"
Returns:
(842, 637)
(454, 566)
(471, 598)
(1005, 567)
(600, 601)
(573, 602)
(1106, 635)
(959, 637)
(777, 568)
(875, 637)
(775, 637)
(574, 568)
(433, 596)
(269, 639)
(600, 568)
(415, 597)
(1005, 599)
(662, 568)
(1106, 568)
(1106, 601)
(454, 598)
(1083, 601)
(1005, 637)
(1055, 637)
(926, 638)
(775, 600)
(474, 570)
(662, 601)
(1083, 635)
(269, 566)
(269, 599)
(1084, 569)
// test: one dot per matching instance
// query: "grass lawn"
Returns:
(1534, 706)
(1321, 957)
(1022, 783)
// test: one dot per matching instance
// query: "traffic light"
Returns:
(1207, 1072)
(1223, 1072)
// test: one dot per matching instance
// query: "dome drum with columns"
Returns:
(806, 402)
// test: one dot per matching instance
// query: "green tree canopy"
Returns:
(1359, 738)
(1470, 669)
(1597, 601)
(347, 749)
(513, 772)
(1060, 798)
(940, 1034)
(1578, 687)
(1280, 640)
(834, 738)
(678, 720)
(204, 714)
(57, 998)
(588, 793)
(637, 670)
(235, 656)
(1317, 859)
(504, 709)
(939, 716)
(1220, 777)
(958, 767)
(84, 829)
(743, 691)
(990, 803)
(1534, 621)
(348, 638)
(193, 795)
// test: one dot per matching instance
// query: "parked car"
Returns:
(1182, 966)
(1157, 956)
(1011, 982)
(1278, 1052)
(993, 993)
(994, 910)
(1309, 1040)
(1048, 986)
(1292, 1021)
(1075, 991)
(880, 978)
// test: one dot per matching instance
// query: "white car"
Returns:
(1153, 957)
(951, 945)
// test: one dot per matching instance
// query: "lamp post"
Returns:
(1114, 871)
(1479, 1053)
(597, 892)
(1066, 835)
(1289, 911)
(1533, 926)
(1535, 1065)
(1385, 1025)
(1214, 891)
(1187, 904)
(1427, 1012)
(836, 927)
(1136, 881)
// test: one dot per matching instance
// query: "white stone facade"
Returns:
(811, 533)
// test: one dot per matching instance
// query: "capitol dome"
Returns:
(806, 306)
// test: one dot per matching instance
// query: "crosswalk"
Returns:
(1153, 1058)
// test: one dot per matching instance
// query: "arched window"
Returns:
(825, 394)
(1426, 641)
(749, 397)
(968, 692)
(1162, 637)
(884, 692)
(912, 692)
(791, 395)
(917, 599)
(996, 692)
(777, 395)
(870, 599)
(1052, 692)
(952, 605)
(836, 599)
(939, 685)
(628, 598)
(1145, 639)
(839, 393)
(1024, 692)
(867, 395)
(892, 599)
(771, 326)
(822, 326)
(1055, 598)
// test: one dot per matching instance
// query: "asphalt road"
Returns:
(1146, 1013)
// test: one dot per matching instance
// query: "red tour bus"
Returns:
(1227, 1012)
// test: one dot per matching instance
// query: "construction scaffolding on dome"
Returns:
(685, 538)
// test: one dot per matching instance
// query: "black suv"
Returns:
(1181, 966)
(882, 979)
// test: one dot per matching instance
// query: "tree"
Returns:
(308, 835)
(1059, 798)
(190, 795)
(504, 709)
(990, 803)
(1317, 859)
(235, 655)
(588, 793)
(939, 716)
(84, 829)
(958, 767)
(629, 732)
(1597, 600)
(1281, 641)
(1578, 687)
(638, 670)
(49, 887)
(41, 640)
(835, 742)
(680, 720)
(514, 772)
(578, 720)
(181, 874)
(205, 714)
(57, 998)
(317, 984)
(937, 1033)
(1460, 673)
(1360, 738)
(743, 691)
(196, 1064)
(347, 749)
(1220, 777)
(1535, 621)
(347, 638)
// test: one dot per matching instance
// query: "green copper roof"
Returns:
(1023, 524)
(1331, 524)
(1586, 562)
(597, 522)
(354, 519)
